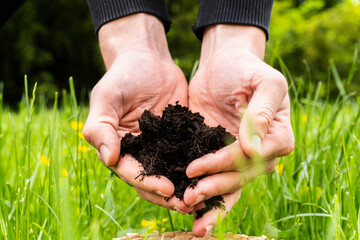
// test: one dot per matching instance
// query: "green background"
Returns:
(52, 41)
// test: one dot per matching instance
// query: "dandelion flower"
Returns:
(152, 225)
(304, 118)
(77, 126)
(44, 160)
(80, 134)
(280, 168)
(64, 172)
(83, 149)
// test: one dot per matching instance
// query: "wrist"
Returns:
(141, 32)
(220, 37)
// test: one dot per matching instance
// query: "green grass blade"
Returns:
(194, 68)
(353, 67)
(337, 78)
(47, 204)
(111, 217)
(3, 225)
(72, 92)
(42, 230)
(220, 229)
(1, 113)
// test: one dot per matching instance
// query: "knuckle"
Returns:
(241, 181)
(96, 90)
(291, 146)
(141, 185)
(140, 193)
(280, 82)
(100, 90)
(264, 118)
(271, 166)
(87, 132)
(227, 161)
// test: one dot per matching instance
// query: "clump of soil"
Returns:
(168, 144)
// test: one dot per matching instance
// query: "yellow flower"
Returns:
(152, 225)
(44, 160)
(83, 149)
(304, 118)
(80, 134)
(77, 126)
(280, 168)
(155, 224)
(64, 172)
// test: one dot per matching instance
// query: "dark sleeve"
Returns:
(104, 11)
(7, 9)
(245, 12)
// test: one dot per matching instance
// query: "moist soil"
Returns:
(186, 235)
(169, 143)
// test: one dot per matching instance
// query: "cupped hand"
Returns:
(139, 76)
(233, 87)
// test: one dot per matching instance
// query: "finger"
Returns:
(100, 129)
(225, 159)
(128, 169)
(216, 185)
(208, 221)
(280, 138)
(105, 139)
(268, 95)
(172, 203)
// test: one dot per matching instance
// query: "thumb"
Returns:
(104, 138)
(259, 115)
(100, 128)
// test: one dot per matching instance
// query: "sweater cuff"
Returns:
(242, 12)
(104, 11)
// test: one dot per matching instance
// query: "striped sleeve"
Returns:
(245, 12)
(104, 11)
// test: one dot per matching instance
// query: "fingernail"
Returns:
(162, 194)
(175, 209)
(255, 142)
(196, 174)
(200, 198)
(208, 229)
(104, 153)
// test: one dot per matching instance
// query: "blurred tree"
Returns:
(313, 35)
(50, 41)
(184, 46)
(8, 10)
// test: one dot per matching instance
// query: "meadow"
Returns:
(52, 185)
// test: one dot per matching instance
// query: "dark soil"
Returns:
(168, 144)
(214, 202)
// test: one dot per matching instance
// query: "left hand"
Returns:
(233, 87)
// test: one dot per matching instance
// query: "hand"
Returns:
(140, 75)
(233, 87)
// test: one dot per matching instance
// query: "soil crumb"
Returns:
(214, 202)
(168, 144)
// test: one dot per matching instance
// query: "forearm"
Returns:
(219, 37)
(142, 32)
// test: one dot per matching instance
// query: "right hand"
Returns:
(141, 75)
(235, 88)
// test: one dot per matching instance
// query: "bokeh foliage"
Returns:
(311, 35)
(52, 41)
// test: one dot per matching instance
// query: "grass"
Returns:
(53, 187)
